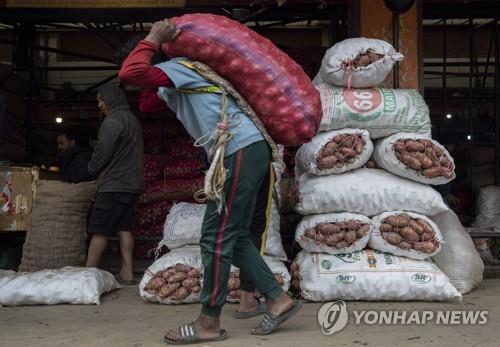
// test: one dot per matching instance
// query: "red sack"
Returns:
(155, 230)
(148, 215)
(190, 168)
(275, 86)
(171, 190)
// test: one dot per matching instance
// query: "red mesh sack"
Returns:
(276, 87)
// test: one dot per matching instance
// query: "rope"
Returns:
(216, 175)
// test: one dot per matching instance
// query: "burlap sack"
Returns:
(57, 234)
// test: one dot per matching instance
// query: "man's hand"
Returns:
(162, 31)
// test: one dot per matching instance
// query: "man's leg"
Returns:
(127, 250)
(246, 170)
(97, 247)
(258, 236)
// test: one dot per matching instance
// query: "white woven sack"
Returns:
(312, 221)
(184, 221)
(372, 276)
(69, 285)
(382, 112)
(458, 258)
(307, 155)
(488, 209)
(189, 255)
(380, 244)
(385, 157)
(366, 191)
(334, 68)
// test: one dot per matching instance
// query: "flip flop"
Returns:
(261, 309)
(188, 335)
(271, 322)
(123, 282)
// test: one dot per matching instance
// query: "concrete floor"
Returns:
(123, 319)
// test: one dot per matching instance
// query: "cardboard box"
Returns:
(17, 190)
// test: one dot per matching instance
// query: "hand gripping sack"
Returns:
(408, 243)
(339, 67)
(188, 258)
(424, 165)
(382, 112)
(458, 259)
(352, 150)
(365, 191)
(372, 276)
(350, 233)
(69, 285)
(276, 87)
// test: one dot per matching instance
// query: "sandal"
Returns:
(261, 309)
(271, 322)
(123, 282)
(187, 335)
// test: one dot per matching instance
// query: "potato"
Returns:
(363, 229)
(280, 279)
(327, 162)
(427, 227)
(359, 146)
(340, 157)
(427, 236)
(400, 146)
(178, 277)
(409, 234)
(181, 268)
(404, 245)
(415, 146)
(351, 161)
(353, 225)
(195, 289)
(167, 273)
(310, 233)
(190, 282)
(348, 152)
(374, 56)
(320, 238)
(330, 147)
(392, 238)
(411, 161)
(338, 138)
(396, 221)
(446, 173)
(340, 245)
(328, 228)
(432, 172)
(439, 152)
(168, 289)
(425, 247)
(425, 160)
(350, 236)
(348, 141)
(180, 294)
(155, 283)
(386, 228)
(417, 227)
(194, 273)
(444, 161)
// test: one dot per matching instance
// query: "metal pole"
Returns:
(471, 67)
(395, 39)
(497, 105)
(444, 79)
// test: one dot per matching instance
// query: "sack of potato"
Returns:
(406, 234)
(369, 275)
(365, 191)
(277, 268)
(175, 278)
(416, 157)
(334, 233)
(335, 152)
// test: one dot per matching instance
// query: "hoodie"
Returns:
(118, 155)
(74, 163)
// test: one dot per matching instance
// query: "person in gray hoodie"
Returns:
(117, 161)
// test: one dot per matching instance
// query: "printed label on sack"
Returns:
(364, 105)
(421, 278)
(350, 257)
(345, 279)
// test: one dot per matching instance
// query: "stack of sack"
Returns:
(356, 194)
(176, 277)
(171, 176)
